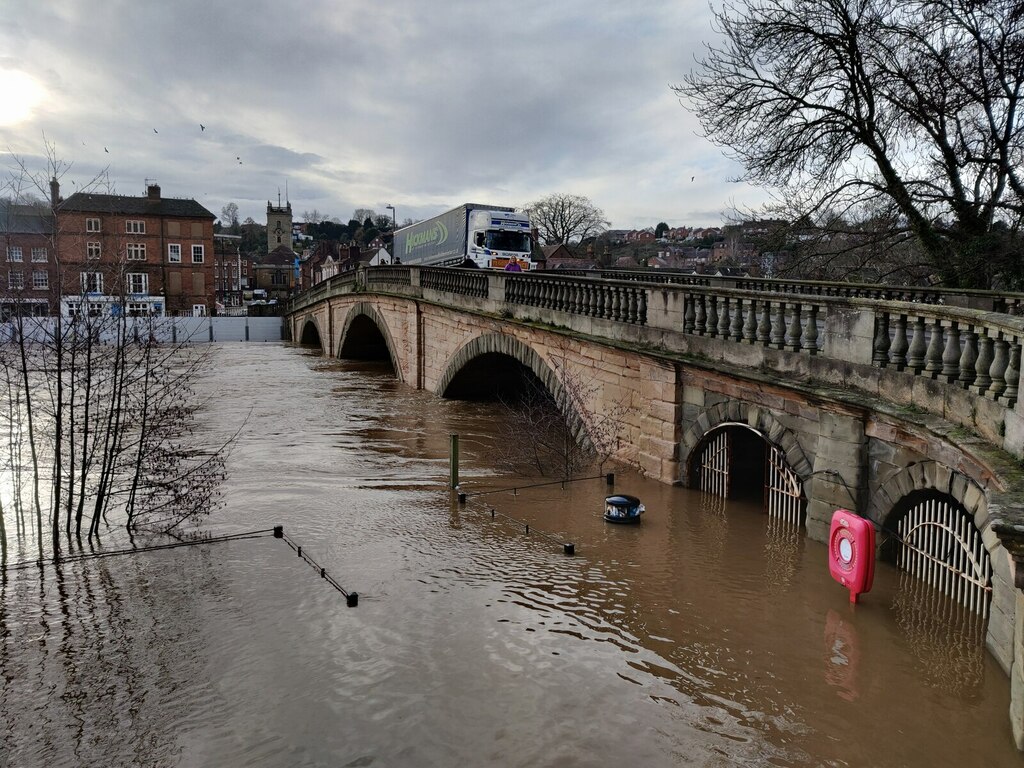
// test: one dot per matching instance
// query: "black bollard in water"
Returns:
(462, 498)
(299, 551)
(569, 548)
(278, 531)
(323, 574)
(352, 599)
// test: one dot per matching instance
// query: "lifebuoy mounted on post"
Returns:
(851, 552)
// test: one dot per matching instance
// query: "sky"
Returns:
(345, 104)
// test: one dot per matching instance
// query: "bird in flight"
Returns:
(692, 178)
(106, 150)
(202, 127)
(155, 131)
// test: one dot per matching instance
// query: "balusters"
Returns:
(778, 337)
(794, 331)
(724, 319)
(933, 357)
(712, 307)
(982, 380)
(915, 355)
(736, 328)
(811, 331)
(1000, 361)
(689, 315)
(951, 355)
(1012, 376)
(700, 316)
(968, 358)
(642, 307)
(764, 327)
(899, 347)
(631, 317)
(880, 344)
(750, 325)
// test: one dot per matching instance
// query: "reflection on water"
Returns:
(707, 635)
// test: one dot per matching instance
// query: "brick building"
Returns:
(232, 271)
(28, 282)
(153, 253)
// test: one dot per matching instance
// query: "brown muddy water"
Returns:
(706, 636)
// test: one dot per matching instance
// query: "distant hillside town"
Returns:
(156, 255)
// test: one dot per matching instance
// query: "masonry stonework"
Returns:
(847, 454)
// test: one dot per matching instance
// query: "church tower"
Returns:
(279, 224)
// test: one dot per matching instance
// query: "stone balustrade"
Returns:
(591, 298)
(979, 352)
(935, 334)
(465, 282)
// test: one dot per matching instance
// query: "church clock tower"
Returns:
(279, 225)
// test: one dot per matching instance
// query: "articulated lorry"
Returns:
(487, 235)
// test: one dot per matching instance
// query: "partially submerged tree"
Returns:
(909, 108)
(96, 418)
(565, 219)
(561, 434)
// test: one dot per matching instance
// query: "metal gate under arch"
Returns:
(939, 544)
(783, 491)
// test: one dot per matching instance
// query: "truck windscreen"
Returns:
(508, 241)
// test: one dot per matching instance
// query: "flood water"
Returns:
(706, 636)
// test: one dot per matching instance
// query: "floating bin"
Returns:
(623, 509)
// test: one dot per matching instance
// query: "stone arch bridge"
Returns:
(900, 404)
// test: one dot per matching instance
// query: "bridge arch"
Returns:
(754, 418)
(732, 434)
(363, 329)
(310, 335)
(938, 527)
(509, 346)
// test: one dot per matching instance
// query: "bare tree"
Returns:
(313, 217)
(557, 434)
(564, 218)
(847, 106)
(96, 417)
(229, 217)
(362, 214)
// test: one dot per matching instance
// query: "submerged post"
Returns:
(453, 460)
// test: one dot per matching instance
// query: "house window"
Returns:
(135, 227)
(40, 279)
(92, 282)
(92, 225)
(92, 250)
(15, 280)
(136, 251)
(39, 255)
(174, 253)
(136, 309)
(14, 253)
(138, 282)
(197, 254)
(277, 278)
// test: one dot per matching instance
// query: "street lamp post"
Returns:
(394, 226)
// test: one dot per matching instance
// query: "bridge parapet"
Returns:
(764, 324)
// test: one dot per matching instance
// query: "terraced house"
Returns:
(150, 255)
(29, 269)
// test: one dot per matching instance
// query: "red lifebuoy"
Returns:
(851, 552)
